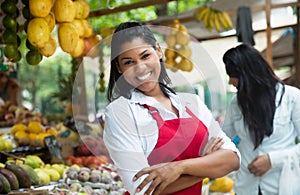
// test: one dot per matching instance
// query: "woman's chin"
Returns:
(147, 86)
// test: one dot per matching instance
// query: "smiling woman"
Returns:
(162, 142)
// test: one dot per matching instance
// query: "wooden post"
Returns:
(269, 57)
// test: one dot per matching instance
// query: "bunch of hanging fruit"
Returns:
(213, 18)
(178, 51)
(41, 17)
(10, 36)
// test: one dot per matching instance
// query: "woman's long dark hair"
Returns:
(124, 33)
(256, 89)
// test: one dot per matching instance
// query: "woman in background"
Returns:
(9, 89)
(265, 115)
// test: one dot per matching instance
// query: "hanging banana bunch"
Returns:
(213, 18)
(178, 52)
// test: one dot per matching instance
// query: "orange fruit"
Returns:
(10, 22)
(10, 37)
(11, 51)
(30, 46)
(17, 58)
(33, 57)
(9, 7)
(26, 12)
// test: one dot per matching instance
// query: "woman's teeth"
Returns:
(144, 77)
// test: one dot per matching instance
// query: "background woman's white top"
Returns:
(131, 133)
(286, 126)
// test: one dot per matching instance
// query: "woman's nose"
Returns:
(140, 67)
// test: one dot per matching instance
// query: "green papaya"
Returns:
(11, 177)
(22, 175)
(35, 179)
(5, 184)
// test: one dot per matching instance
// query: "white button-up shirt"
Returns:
(131, 133)
(286, 126)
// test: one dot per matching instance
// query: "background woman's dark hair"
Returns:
(256, 89)
(124, 33)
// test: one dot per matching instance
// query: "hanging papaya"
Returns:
(78, 51)
(38, 32)
(40, 8)
(67, 36)
(49, 48)
(88, 30)
(50, 19)
(64, 10)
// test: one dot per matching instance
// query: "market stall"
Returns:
(43, 153)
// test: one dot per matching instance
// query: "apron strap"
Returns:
(155, 114)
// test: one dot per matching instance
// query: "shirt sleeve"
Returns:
(122, 141)
(278, 157)
(213, 126)
(228, 122)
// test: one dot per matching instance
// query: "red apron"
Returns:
(178, 139)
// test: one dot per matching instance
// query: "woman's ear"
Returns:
(159, 51)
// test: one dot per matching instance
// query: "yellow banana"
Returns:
(228, 20)
(222, 20)
(216, 22)
(199, 10)
(211, 20)
(202, 14)
(206, 18)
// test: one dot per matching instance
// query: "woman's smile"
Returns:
(144, 77)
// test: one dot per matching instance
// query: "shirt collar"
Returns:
(139, 98)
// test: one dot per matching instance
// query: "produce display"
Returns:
(30, 172)
(103, 179)
(11, 114)
(27, 172)
(178, 52)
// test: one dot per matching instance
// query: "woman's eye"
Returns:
(127, 62)
(145, 56)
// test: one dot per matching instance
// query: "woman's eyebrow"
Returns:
(142, 53)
